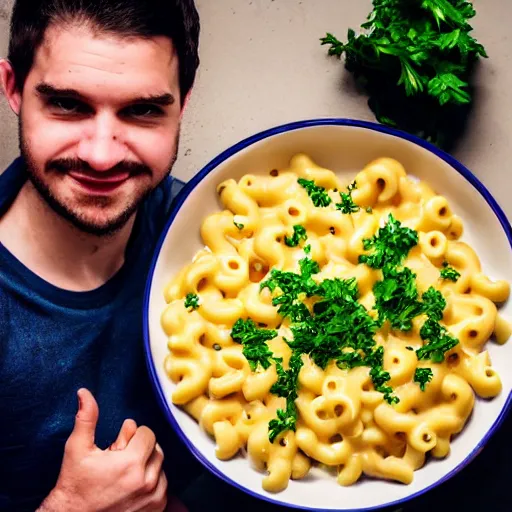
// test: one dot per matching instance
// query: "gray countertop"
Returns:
(262, 65)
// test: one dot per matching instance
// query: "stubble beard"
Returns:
(73, 215)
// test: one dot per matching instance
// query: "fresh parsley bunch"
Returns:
(414, 58)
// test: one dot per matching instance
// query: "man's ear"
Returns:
(9, 88)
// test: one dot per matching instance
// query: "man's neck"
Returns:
(55, 250)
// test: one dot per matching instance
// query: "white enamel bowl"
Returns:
(344, 146)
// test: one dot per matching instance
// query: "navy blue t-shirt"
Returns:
(53, 341)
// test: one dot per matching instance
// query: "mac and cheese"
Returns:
(375, 411)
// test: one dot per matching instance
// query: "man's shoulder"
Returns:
(14, 171)
(165, 194)
(157, 207)
(11, 181)
(159, 203)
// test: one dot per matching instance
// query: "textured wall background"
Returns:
(8, 123)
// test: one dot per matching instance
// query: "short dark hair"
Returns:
(176, 19)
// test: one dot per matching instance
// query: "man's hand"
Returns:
(127, 477)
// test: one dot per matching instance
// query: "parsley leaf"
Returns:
(339, 323)
(379, 378)
(255, 348)
(433, 304)
(191, 301)
(308, 267)
(347, 204)
(317, 194)
(435, 349)
(396, 298)
(286, 387)
(431, 330)
(239, 226)
(439, 341)
(423, 376)
(390, 245)
(449, 273)
(292, 286)
(286, 420)
(299, 233)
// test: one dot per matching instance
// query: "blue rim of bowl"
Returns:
(190, 186)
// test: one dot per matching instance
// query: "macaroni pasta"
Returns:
(342, 417)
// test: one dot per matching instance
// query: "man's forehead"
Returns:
(80, 50)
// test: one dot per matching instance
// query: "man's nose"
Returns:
(101, 146)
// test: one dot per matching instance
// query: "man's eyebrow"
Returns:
(158, 99)
(46, 89)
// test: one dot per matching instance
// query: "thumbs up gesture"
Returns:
(127, 477)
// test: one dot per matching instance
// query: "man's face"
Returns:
(99, 123)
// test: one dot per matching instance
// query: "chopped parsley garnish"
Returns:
(380, 377)
(239, 226)
(449, 273)
(330, 325)
(286, 387)
(191, 301)
(439, 342)
(433, 304)
(369, 209)
(396, 298)
(255, 348)
(390, 245)
(423, 376)
(396, 295)
(347, 204)
(317, 194)
(308, 267)
(430, 330)
(299, 233)
(286, 420)
(339, 327)
(339, 324)
(291, 287)
(217, 347)
(438, 338)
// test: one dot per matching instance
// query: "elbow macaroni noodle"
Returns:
(343, 422)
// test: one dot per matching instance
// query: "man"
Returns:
(99, 88)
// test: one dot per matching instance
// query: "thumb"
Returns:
(85, 419)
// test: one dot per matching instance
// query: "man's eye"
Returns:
(143, 110)
(67, 105)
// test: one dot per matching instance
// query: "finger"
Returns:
(142, 444)
(157, 502)
(85, 420)
(127, 431)
(154, 467)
